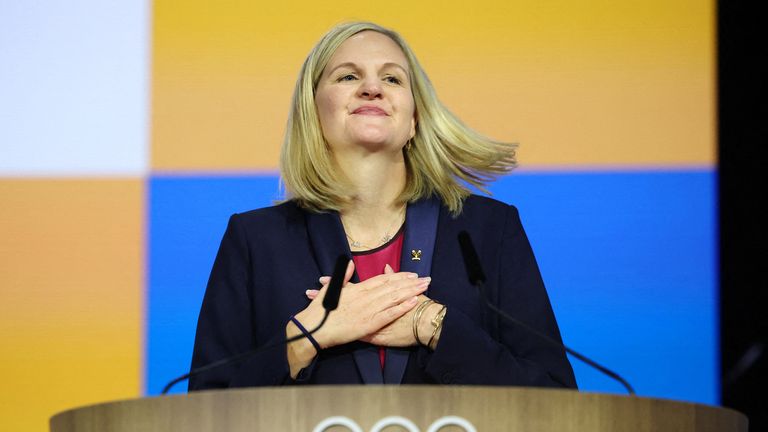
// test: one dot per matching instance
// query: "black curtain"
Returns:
(743, 176)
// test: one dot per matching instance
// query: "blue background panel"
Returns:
(188, 216)
(642, 298)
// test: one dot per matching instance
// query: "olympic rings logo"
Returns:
(395, 421)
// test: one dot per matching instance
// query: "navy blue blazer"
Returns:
(269, 257)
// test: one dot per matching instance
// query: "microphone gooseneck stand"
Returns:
(330, 303)
(477, 279)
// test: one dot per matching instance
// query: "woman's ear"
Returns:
(414, 123)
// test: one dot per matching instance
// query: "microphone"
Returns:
(330, 303)
(331, 299)
(477, 279)
(471, 261)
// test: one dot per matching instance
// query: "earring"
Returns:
(408, 145)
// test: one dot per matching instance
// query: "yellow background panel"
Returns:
(70, 296)
(576, 82)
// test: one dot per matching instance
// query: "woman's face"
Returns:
(364, 97)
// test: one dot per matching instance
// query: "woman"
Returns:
(375, 167)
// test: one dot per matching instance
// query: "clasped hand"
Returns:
(378, 311)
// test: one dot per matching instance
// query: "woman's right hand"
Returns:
(363, 309)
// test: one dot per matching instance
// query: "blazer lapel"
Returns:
(328, 241)
(418, 248)
(420, 233)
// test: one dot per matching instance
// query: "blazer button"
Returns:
(447, 378)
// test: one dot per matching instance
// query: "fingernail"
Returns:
(426, 279)
(324, 279)
(310, 291)
(387, 267)
(412, 276)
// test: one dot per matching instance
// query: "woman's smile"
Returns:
(370, 110)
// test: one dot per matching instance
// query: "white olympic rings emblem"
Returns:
(395, 421)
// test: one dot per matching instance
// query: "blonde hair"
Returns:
(443, 158)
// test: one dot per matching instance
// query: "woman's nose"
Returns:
(370, 89)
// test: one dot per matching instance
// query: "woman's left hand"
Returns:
(399, 333)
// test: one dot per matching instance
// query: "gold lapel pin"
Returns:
(415, 255)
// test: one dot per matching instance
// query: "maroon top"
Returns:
(371, 263)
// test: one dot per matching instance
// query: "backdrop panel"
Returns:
(577, 82)
(187, 219)
(74, 87)
(71, 265)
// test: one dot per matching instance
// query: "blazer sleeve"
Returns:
(468, 353)
(225, 324)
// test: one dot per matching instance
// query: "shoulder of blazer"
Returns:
(484, 203)
(481, 208)
(284, 213)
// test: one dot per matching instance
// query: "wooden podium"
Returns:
(414, 408)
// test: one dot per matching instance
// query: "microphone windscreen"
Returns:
(471, 261)
(331, 300)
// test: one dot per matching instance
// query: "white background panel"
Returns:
(74, 86)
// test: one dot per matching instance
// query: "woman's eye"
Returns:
(393, 80)
(347, 77)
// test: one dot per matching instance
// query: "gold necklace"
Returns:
(384, 239)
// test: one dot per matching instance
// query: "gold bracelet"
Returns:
(417, 316)
(437, 322)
